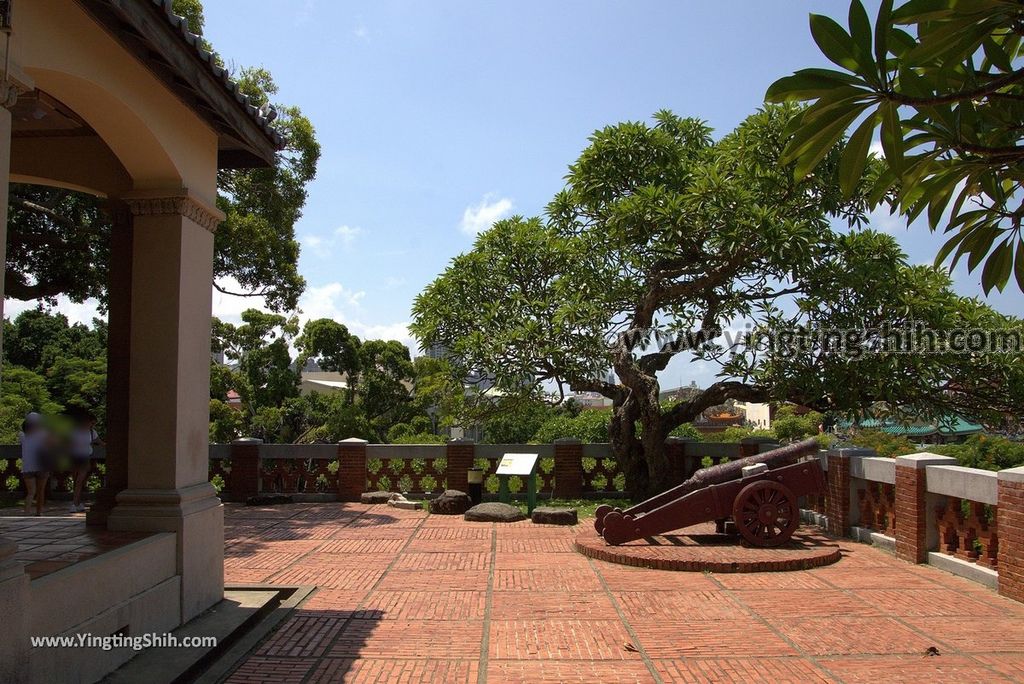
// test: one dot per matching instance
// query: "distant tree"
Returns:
(260, 345)
(333, 347)
(385, 384)
(515, 421)
(944, 81)
(22, 391)
(38, 338)
(664, 235)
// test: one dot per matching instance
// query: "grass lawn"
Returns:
(584, 507)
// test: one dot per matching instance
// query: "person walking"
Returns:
(35, 461)
(83, 439)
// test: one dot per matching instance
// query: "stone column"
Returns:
(461, 453)
(244, 480)
(916, 531)
(14, 605)
(840, 499)
(119, 295)
(568, 469)
(352, 469)
(1010, 524)
(168, 488)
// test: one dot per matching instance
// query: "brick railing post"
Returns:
(244, 480)
(839, 498)
(351, 469)
(568, 469)
(461, 453)
(916, 531)
(1010, 523)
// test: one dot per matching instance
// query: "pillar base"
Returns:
(197, 516)
(14, 645)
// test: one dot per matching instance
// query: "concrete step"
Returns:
(238, 623)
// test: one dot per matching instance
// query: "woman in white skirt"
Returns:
(35, 446)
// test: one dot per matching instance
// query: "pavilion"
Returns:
(118, 99)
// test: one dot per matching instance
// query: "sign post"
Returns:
(523, 465)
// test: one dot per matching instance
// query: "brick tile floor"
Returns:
(407, 597)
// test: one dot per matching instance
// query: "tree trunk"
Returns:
(627, 448)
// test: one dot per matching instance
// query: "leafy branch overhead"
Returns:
(58, 240)
(942, 84)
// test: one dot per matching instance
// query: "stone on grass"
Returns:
(375, 497)
(494, 512)
(451, 502)
(553, 515)
(268, 500)
(400, 502)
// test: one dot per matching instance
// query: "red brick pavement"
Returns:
(407, 597)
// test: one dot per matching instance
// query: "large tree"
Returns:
(662, 233)
(943, 80)
(58, 240)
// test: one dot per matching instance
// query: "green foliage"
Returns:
(419, 438)
(516, 422)
(588, 427)
(942, 82)
(22, 391)
(987, 452)
(226, 423)
(883, 443)
(789, 427)
(735, 434)
(662, 232)
(687, 431)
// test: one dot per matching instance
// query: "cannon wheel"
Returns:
(766, 513)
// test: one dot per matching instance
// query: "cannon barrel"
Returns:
(733, 470)
(723, 472)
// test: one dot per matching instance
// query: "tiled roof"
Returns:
(264, 117)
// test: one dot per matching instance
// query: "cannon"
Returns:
(763, 505)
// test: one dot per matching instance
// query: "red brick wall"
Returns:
(460, 459)
(568, 469)
(911, 514)
(352, 469)
(1011, 537)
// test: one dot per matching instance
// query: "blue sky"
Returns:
(437, 117)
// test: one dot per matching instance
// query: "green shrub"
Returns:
(789, 427)
(987, 452)
(884, 443)
(588, 427)
(686, 430)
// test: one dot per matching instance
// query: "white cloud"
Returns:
(329, 301)
(323, 246)
(393, 283)
(881, 220)
(347, 234)
(76, 313)
(480, 217)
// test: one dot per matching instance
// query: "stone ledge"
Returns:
(961, 568)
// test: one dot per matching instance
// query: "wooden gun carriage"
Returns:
(761, 501)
